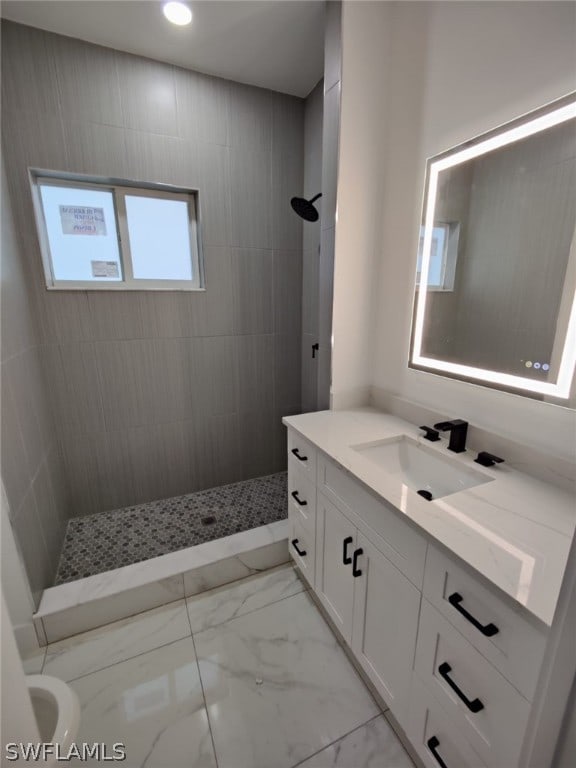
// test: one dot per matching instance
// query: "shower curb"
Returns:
(91, 602)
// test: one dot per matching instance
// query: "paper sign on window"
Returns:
(105, 269)
(82, 220)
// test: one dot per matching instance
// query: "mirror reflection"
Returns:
(496, 268)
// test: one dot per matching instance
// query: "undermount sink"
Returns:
(419, 468)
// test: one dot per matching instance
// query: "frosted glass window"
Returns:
(99, 235)
(159, 232)
(82, 234)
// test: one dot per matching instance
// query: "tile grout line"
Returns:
(242, 615)
(202, 689)
(356, 728)
(347, 652)
(198, 662)
(114, 621)
(171, 642)
(404, 747)
(243, 579)
(122, 661)
(44, 659)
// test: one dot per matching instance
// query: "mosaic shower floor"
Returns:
(109, 540)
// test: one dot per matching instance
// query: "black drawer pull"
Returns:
(298, 456)
(295, 496)
(475, 705)
(432, 744)
(346, 559)
(488, 631)
(301, 552)
(355, 570)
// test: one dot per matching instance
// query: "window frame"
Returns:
(449, 257)
(119, 189)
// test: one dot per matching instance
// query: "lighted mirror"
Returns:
(496, 267)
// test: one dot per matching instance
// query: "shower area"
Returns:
(140, 423)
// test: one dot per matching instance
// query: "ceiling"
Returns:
(277, 44)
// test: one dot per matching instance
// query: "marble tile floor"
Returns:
(108, 540)
(245, 676)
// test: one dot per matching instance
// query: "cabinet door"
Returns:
(335, 538)
(386, 609)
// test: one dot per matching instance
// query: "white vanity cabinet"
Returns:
(372, 603)
(361, 562)
(455, 659)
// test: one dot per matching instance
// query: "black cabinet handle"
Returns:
(355, 570)
(346, 559)
(301, 552)
(300, 501)
(432, 745)
(488, 631)
(298, 456)
(475, 705)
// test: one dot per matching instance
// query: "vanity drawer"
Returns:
(302, 546)
(516, 649)
(301, 454)
(482, 705)
(433, 735)
(302, 498)
(400, 543)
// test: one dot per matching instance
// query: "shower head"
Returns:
(305, 208)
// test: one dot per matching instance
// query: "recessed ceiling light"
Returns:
(177, 13)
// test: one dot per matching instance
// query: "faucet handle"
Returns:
(431, 434)
(488, 459)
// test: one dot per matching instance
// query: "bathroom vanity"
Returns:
(445, 604)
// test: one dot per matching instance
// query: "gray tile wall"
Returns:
(156, 394)
(311, 245)
(30, 457)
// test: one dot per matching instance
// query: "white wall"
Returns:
(366, 44)
(453, 71)
(330, 146)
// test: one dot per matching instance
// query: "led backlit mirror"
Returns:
(496, 268)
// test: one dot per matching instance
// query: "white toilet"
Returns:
(57, 711)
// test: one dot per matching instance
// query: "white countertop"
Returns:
(516, 531)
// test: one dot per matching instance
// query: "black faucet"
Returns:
(458, 431)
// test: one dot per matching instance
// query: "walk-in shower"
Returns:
(144, 419)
